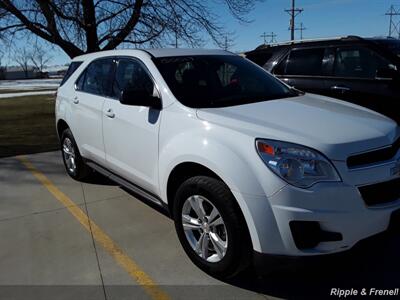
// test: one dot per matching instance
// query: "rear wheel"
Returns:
(211, 227)
(73, 162)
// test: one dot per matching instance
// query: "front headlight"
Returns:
(297, 165)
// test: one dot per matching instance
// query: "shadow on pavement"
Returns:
(370, 264)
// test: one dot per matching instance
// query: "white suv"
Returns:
(243, 163)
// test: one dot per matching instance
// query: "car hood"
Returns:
(335, 128)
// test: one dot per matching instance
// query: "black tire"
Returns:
(238, 252)
(82, 171)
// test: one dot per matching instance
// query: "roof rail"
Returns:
(348, 37)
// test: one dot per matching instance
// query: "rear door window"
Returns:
(71, 69)
(358, 62)
(305, 62)
(98, 77)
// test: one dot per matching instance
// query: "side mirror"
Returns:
(387, 74)
(140, 98)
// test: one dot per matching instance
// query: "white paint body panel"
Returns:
(145, 148)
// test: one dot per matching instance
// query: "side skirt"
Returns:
(147, 197)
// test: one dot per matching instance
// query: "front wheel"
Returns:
(211, 227)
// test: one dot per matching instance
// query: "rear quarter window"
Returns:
(71, 69)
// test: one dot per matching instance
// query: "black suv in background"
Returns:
(364, 71)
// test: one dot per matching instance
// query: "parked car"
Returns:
(245, 165)
(364, 71)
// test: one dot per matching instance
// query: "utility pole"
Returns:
(226, 46)
(227, 43)
(394, 26)
(272, 37)
(293, 12)
(301, 29)
(176, 31)
(264, 36)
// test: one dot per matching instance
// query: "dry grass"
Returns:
(27, 125)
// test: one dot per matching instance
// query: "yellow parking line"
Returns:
(127, 263)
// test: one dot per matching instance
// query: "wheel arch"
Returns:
(61, 126)
(185, 170)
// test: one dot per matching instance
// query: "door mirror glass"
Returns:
(387, 74)
(140, 98)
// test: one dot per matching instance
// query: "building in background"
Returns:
(13, 73)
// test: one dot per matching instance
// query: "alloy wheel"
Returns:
(204, 228)
(69, 155)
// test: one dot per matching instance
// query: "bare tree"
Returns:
(80, 26)
(22, 58)
(39, 57)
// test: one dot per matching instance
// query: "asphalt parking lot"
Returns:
(61, 239)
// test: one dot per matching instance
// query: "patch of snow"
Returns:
(29, 84)
(13, 95)
(55, 68)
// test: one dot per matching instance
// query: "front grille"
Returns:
(374, 157)
(381, 193)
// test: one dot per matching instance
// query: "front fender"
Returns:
(229, 165)
(234, 168)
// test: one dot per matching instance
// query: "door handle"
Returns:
(76, 100)
(340, 88)
(110, 113)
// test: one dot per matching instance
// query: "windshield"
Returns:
(221, 80)
(392, 45)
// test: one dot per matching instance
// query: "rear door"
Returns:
(354, 79)
(131, 132)
(92, 86)
(304, 69)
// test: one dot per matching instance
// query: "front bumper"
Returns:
(337, 208)
(371, 246)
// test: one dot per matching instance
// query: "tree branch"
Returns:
(121, 36)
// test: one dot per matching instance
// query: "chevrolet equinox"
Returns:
(245, 165)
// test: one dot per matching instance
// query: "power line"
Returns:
(394, 26)
(293, 12)
(272, 37)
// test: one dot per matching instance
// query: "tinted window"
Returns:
(80, 81)
(358, 62)
(98, 77)
(260, 58)
(305, 62)
(221, 80)
(131, 75)
(71, 69)
(281, 67)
